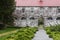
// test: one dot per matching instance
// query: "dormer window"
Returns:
(50, 18)
(58, 18)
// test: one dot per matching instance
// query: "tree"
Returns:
(7, 7)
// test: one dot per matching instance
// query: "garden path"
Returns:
(41, 35)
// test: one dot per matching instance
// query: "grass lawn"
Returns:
(26, 33)
(3, 37)
(8, 29)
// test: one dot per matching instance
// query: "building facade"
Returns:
(28, 14)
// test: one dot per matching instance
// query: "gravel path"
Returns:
(41, 35)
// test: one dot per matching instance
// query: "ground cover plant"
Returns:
(26, 33)
(53, 32)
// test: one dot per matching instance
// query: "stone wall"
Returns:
(28, 16)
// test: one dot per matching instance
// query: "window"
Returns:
(23, 9)
(23, 18)
(32, 10)
(50, 9)
(58, 10)
(50, 18)
(58, 18)
(32, 18)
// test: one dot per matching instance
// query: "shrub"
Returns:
(48, 30)
(50, 36)
(26, 33)
(55, 28)
(54, 32)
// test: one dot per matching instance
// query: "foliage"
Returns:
(55, 28)
(8, 29)
(6, 9)
(40, 21)
(54, 32)
(26, 33)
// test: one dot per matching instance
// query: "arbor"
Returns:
(6, 9)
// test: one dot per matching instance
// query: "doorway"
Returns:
(40, 21)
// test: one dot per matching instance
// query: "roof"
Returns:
(37, 3)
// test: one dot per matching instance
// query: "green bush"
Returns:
(26, 33)
(53, 32)
(53, 28)
(48, 30)
(50, 36)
